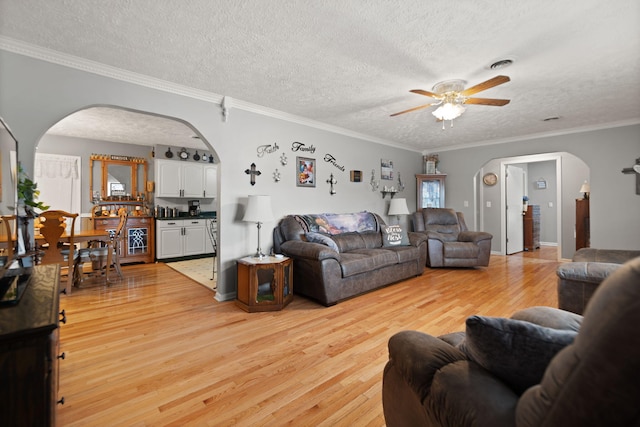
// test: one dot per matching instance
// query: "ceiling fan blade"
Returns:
(498, 80)
(412, 109)
(426, 93)
(487, 101)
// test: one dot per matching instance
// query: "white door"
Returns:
(514, 182)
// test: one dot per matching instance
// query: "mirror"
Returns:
(117, 178)
(8, 199)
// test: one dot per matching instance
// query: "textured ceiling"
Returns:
(350, 64)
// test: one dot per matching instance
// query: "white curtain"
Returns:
(59, 181)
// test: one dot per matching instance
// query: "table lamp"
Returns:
(398, 207)
(258, 211)
(585, 189)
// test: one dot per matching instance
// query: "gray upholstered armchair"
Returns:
(579, 279)
(541, 367)
(450, 243)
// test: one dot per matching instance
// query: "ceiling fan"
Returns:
(451, 95)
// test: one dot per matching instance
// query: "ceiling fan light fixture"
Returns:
(448, 111)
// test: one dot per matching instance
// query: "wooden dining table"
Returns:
(85, 235)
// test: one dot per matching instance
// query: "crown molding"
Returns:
(75, 62)
(549, 134)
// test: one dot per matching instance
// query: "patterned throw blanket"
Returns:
(338, 223)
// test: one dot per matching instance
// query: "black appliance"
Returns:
(194, 207)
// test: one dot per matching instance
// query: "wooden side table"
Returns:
(264, 284)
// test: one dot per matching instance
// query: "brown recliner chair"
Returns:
(527, 371)
(579, 279)
(450, 243)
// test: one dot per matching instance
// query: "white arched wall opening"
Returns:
(84, 192)
(490, 214)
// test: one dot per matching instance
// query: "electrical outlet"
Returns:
(488, 204)
(550, 204)
(466, 203)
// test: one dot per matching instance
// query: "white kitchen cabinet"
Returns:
(168, 181)
(210, 181)
(181, 237)
(179, 179)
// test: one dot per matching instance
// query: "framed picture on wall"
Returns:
(305, 172)
(386, 169)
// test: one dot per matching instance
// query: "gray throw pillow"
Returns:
(394, 235)
(515, 351)
(322, 239)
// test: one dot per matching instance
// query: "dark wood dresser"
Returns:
(583, 232)
(29, 352)
(531, 223)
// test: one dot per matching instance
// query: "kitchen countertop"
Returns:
(185, 215)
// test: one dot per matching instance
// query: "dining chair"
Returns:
(59, 247)
(97, 253)
(7, 235)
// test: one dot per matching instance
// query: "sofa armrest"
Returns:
(590, 272)
(474, 236)
(418, 356)
(416, 239)
(550, 317)
(309, 250)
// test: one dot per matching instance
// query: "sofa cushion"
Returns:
(366, 260)
(405, 253)
(322, 239)
(515, 351)
(372, 239)
(349, 241)
(394, 235)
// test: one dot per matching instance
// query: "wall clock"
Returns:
(490, 179)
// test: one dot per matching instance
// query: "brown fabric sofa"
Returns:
(591, 379)
(450, 243)
(350, 259)
(579, 279)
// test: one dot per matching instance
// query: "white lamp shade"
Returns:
(258, 209)
(398, 207)
(585, 188)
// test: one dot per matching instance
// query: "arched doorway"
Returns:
(563, 173)
(115, 133)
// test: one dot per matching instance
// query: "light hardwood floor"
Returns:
(156, 349)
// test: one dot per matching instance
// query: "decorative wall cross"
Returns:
(635, 169)
(332, 181)
(253, 172)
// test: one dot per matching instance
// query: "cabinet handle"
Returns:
(62, 355)
(61, 401)
(63, 319)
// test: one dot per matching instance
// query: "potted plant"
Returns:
(28, 195)
(27, 204)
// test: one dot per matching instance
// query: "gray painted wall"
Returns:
(615, 207)
(37, 94)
